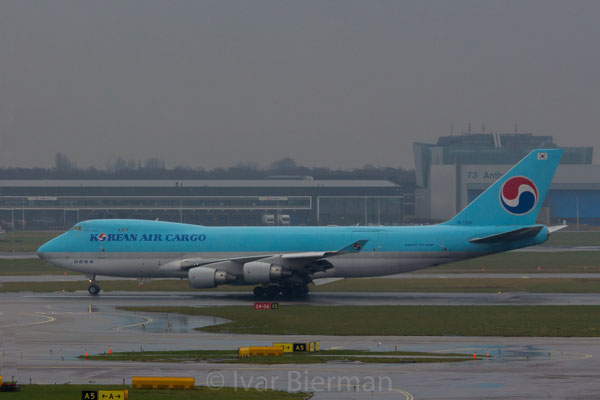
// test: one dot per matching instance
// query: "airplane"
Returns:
(282, 261)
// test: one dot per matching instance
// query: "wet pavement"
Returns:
(42, 336)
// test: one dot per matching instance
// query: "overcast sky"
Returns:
(328, 83)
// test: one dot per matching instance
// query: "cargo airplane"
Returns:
(284, 260)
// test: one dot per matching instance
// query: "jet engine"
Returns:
(262, 272)
(204, 277)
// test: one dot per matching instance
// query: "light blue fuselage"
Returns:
(137, 248)
(502, 218)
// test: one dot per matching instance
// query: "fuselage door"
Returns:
(444, 253)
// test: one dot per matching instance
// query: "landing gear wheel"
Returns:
(287, 292)
(273, 291)
(300, 291)
(304, 290)
(259, 292)
(94, 289)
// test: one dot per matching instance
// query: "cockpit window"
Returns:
(75, 228)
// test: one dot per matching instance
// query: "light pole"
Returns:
(577, 211)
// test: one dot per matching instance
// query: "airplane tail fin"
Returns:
(515, 198)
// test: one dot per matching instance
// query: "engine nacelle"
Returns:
(262, 272)
(204, 277)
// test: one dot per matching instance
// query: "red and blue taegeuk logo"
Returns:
(102, 237)
(518, 195)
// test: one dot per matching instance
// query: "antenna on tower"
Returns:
(516, 130)
(451, 128)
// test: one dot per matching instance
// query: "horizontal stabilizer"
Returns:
(325, 281)
(517, 234)
(556, 228)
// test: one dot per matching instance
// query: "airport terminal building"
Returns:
(456, 169)
(449, 174)
(58, 204)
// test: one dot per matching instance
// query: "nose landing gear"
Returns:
(94, 289)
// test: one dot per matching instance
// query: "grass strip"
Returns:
(562, 238)
(521, 262)
(32, 266)
(559, 321)
(26, 241)
(61, 392)
(231, 356)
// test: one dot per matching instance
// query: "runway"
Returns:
(319, 298)
(42, 335)
(17, 255)
(555, 249)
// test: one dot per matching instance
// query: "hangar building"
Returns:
(58, 204)
(456, 169)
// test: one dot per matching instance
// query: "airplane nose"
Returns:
(54, 248)
(41, 252)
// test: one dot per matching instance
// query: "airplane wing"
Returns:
(188, 263)
(355, 247)
(516, 234)
(307, 262)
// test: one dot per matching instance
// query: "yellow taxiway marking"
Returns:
(146, 320)
(453, 350)
(581, 356)
(406, 394)
(48, 320)
(577, 356)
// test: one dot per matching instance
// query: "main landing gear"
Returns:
(272, 292)
(94, 289)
